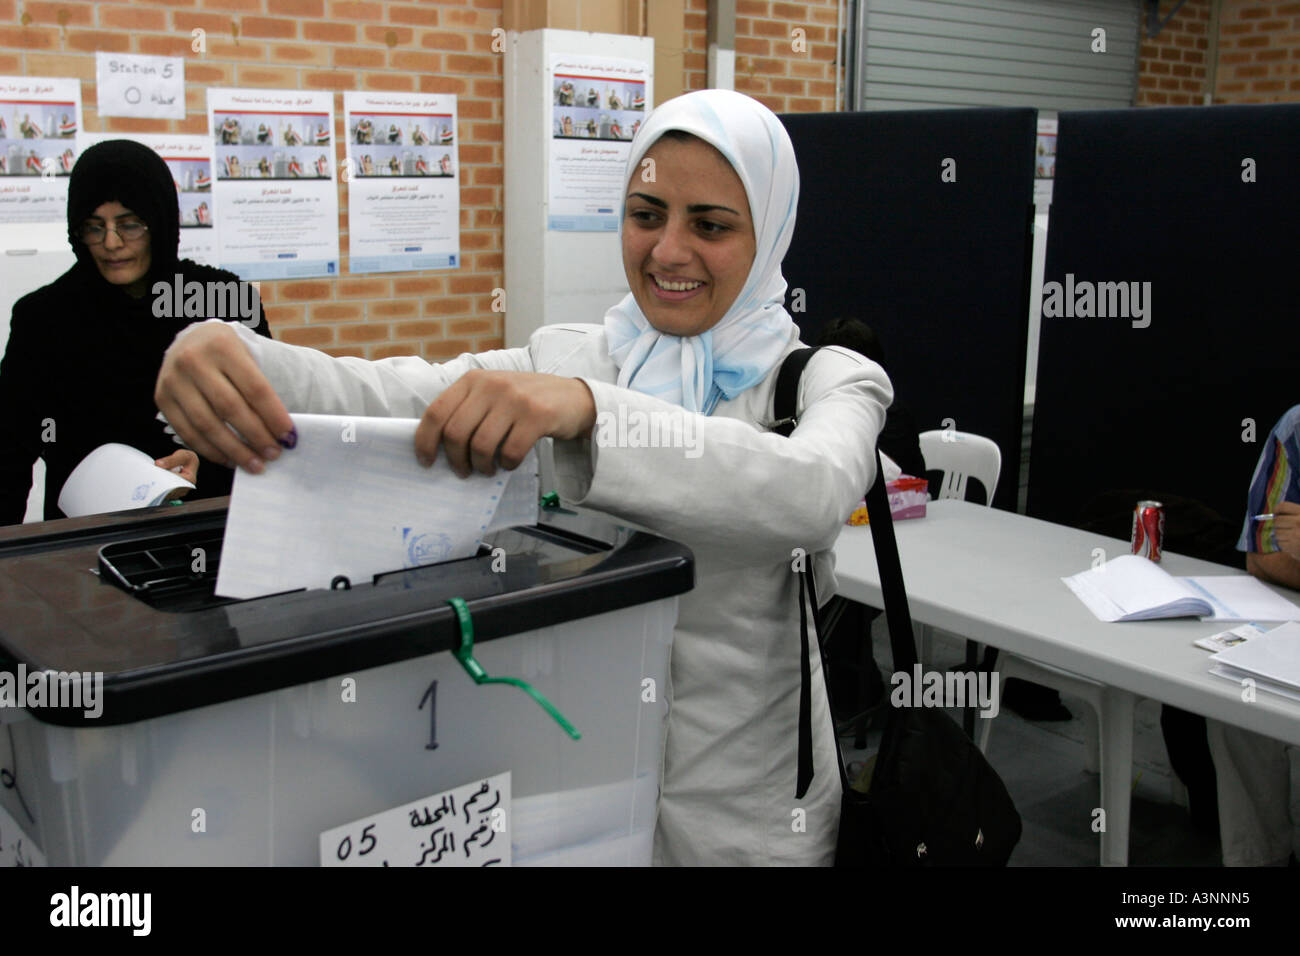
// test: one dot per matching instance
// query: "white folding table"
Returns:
(995, 577)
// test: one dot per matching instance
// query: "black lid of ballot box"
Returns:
(60, 611)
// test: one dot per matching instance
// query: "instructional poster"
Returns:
(39, 119)
(597, 106)
(189, 158)
(403, 176)
(273, 188)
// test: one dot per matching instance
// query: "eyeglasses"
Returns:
(93, 233)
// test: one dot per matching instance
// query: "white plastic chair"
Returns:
(960, 456)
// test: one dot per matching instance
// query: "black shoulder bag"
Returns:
(934, 799)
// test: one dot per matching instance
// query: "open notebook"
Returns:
(1134, 588)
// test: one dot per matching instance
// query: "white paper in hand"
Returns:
(350, 499)
(116, 477)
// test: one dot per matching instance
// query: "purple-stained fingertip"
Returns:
(290, 440)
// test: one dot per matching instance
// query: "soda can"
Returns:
(1148, 538)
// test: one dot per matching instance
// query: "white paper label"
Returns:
(465, 826)
(129, 84)
(16, 848)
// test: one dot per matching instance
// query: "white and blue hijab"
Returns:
(698, 371)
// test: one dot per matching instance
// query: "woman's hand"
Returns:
(186, 464)
(485, 418)
(209, 381)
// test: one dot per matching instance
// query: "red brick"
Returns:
(211, 74)
(365, 332)
(441, 40)
(409, 13)
(753, 46)
(242, 6)
(131, 18)
(752, 8)
(789, 11)
(97, 41)
(390, 36)
(359, 56)
(330, 32)
(389, 81)
(348, 352)
(356, 10)
(9, 64)
(162, 44)
(333, 80)
(313, 336)
(267, 77)
(272, 27)
(296, 8)
(489, 344)
(60, 14)
(443, 84)
(487, 176)
(489, 89)
(472, 327)
(466, 63)
(300, 291)
(363, 289)
(230, 50)
(426, 329)
(412, 62)
(336, 311)
(446, 306)
(417, 286)
(394, 309)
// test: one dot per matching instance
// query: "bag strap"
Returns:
(897, 615)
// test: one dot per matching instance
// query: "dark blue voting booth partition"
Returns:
(1163, 196)
(940, 269)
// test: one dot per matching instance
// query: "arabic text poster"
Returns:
(598, 104)
(273, 190)
(39, 119)
(403, 181)
(190, 160)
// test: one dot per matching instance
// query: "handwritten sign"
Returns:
(466, 826)
(16, 848)
(131, 85)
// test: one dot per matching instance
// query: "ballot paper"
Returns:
(116, 477)
(1273, 657)
(351, 501)
(1133, 588)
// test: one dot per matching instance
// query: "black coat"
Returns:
(79, 371)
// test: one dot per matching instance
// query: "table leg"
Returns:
(1116, 733)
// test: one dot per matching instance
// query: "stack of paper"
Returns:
(350, 500)
(1271, 660)
(1133, 588)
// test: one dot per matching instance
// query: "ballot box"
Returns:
(147, 722)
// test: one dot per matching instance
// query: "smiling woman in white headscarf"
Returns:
(695, 347)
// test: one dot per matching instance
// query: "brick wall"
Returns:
(441, 46)
(768, 65)
(1172, 66)
(1258, 55)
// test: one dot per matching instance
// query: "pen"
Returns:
(1267, 517)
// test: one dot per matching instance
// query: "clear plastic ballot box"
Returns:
(240, 732)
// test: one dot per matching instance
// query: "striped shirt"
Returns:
(1276, 479)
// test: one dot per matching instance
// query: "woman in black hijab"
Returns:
(84, 351)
